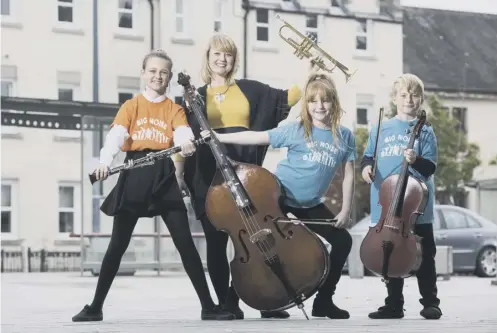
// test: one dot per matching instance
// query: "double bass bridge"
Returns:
(392, 227)
(263, 239)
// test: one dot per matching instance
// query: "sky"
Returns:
(479, 6)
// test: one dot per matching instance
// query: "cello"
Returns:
(390, 248)
(275, 266)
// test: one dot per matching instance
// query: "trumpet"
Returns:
(303, 49)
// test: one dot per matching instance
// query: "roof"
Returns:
(451, 51)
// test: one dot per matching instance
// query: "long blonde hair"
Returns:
(221, 43)
(322, 86)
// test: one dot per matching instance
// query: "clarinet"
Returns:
(149, 159)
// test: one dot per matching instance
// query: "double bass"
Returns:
(390, 248)
(278, 262)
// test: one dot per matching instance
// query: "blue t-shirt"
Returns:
(393, 141)
(310, 165)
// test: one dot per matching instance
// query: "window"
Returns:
(178, 99)
(124, 96)
(6, 208)
(262, 24)
(362, 35)
(180, 17)
(5, 8)
(9, 208)
(454, 219)
(335, 3)
(66, 94)
(218, 14)
(125, 14)
(472, 222)
(7, 88)
(362, 116)
(460, 115)
(67, 208)
(312, 27)
(65, 10)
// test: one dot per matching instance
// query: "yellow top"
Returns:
(233, 109)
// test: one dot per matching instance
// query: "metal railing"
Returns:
(40, 261)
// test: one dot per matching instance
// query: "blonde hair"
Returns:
(322, 86)
(410, 81)
(221, 43)
(159, 53)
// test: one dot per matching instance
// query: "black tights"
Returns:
(177, 224)
(340, 240)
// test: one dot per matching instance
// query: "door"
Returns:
(463, 235)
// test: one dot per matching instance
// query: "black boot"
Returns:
(431, 312)
(275, 314)
(388, 312)
(216, 313)
(232, 304)
(326, 308)
(88, 314)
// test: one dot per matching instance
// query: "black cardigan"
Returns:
(268, 107)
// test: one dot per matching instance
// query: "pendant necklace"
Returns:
(219, 98)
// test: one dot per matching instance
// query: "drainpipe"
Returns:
(152, 12)
(246, 7)
(95, 51)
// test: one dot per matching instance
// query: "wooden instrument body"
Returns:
(406, 257)
(303, 257)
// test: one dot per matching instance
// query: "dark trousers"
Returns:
(177, 224)
(340, 240)
(426, 274)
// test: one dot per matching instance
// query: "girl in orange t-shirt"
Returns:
(148, 122)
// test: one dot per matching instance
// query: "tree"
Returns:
(493, 161)
(457, 158)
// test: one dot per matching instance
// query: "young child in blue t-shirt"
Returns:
(317, 146)
(407, 95)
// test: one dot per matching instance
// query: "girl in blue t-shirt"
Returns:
(317, 146)
(407, 95)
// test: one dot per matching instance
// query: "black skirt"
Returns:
(145, 192)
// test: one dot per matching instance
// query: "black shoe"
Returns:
(387, 312)
(275, 314)
(235, 310)
(431, 312)
(216, 313)
(328, 309)
(88, 314)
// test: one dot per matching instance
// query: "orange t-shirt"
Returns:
(150, 125)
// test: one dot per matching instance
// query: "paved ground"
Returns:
(45, 302)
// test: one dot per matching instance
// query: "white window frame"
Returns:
(310, 29)
(131, 11)
(368, 34)
(74, 87)
(13, 208)
(263, 25)
(12, 87)
(183, 16)
(10, 8)
(218, 14)
(133, 92)
(76, 209)
(69, 5)
(364, 101)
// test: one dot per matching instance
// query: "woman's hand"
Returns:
(410, 155)
(343, 220)
(187, 149)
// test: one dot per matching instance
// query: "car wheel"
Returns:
(486, 262)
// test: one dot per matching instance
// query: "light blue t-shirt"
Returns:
(310, 165)
(394, 137)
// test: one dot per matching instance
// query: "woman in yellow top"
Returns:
(231, 106)
(148, 122)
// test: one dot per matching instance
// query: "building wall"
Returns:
(59, 56)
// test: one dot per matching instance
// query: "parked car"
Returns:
(473, 238)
